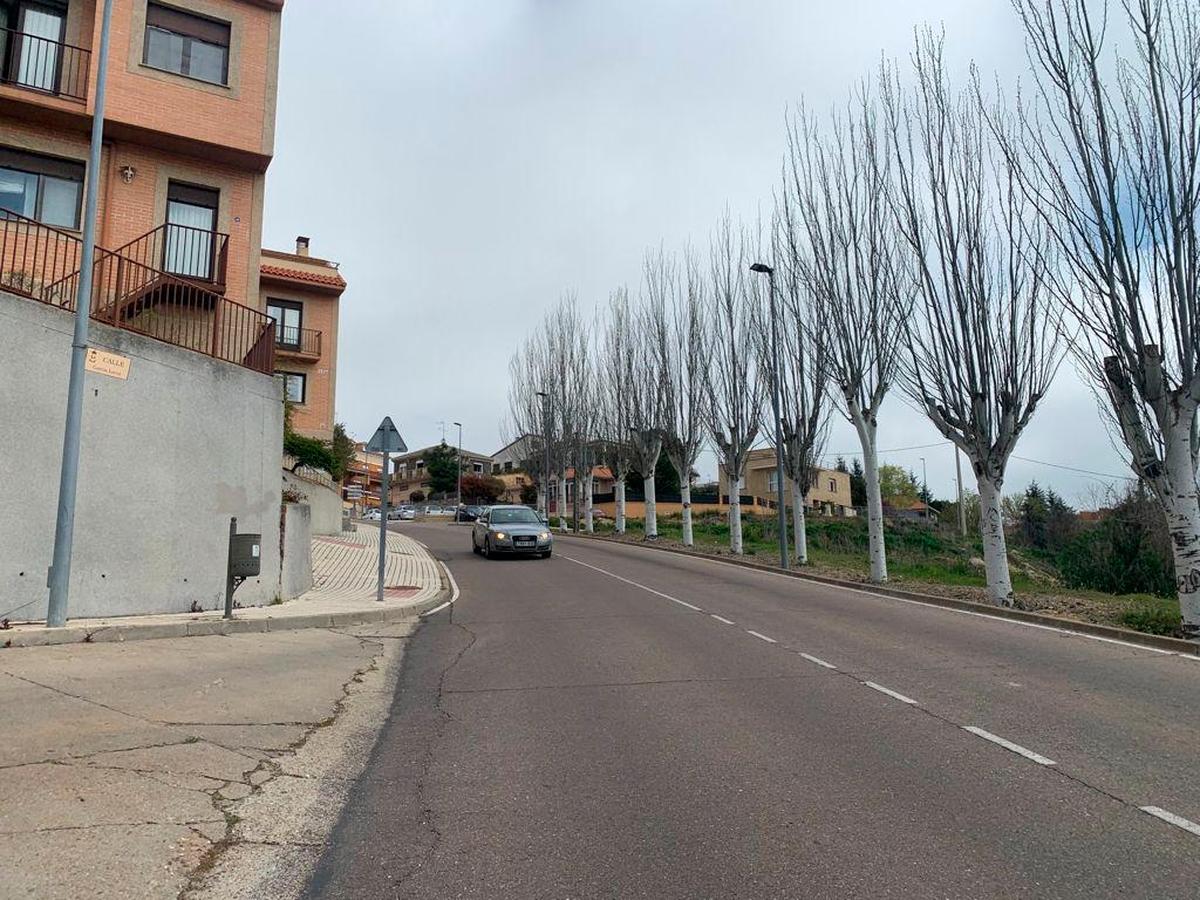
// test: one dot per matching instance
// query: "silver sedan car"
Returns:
(511, 529)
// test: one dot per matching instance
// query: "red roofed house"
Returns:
(301, 292)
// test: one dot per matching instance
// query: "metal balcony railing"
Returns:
(195, 253)
(306, 341)
(40, 64)
(43, 263)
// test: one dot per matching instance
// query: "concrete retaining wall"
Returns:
(169, 455)
(296, 576)
(326, 503)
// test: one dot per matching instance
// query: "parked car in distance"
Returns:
(394, 515)
(511, 529)
(407, 513)
(469, 513)
(371, 515)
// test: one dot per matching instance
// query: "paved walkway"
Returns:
(343, 592)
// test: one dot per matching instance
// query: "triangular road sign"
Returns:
(387, 439)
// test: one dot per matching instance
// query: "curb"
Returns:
(1092, 629)
(120, 633)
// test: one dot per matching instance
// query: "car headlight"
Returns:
(544, 536)
(500, 535)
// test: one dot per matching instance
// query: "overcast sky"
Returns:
(469, 162)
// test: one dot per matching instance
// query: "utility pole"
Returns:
(776, 402)
(59, 577)
(458, 502)
(962, 508)
(546, 453)
(925, 498)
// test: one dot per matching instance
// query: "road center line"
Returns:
(1009, 745)
(1177, 821)
(761, 637)
(721, 619)
(643, 587)
(819, 662)
(879, 687)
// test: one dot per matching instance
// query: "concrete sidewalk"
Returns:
(211, 763)
(343, 593)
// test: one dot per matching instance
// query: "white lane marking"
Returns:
(819, 662)
(453, 590)
(879, 687)
(721, 619)
(965, 612)
(761, 637)
(1177, 821)
(643, 587)
(1009, 745)
(436, 609)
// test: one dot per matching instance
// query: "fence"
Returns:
(43, 263)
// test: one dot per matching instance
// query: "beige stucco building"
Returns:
(829, 494)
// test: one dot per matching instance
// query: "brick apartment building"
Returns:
(189, 133)
(302, 293)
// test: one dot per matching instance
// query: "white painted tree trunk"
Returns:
(799, 524)
(685, 495)
(735, 521)
(588, 486)
(619, 519)
(543, 502)
(878, 553)
(1181, 504)
(995, 549)
(651, 508)
(562, 501)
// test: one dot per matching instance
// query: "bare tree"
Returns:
(841, 237)
(647, 408)
(1112, 163)
(803, 377)
(531, 421)
(985, 338)
(566, 339)
(684, 369)
(736, 388)
(614, 379)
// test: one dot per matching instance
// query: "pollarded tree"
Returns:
(835, 200)
(985, 338)
(614, 378)
(531, 417)
(1112, 164)
(567, 339)
(803, 376)
(736, 387)
(684, 366)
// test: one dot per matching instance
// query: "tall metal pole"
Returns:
(776, 403)
(962, 509)
(546, 448)
(458, 490)
(383, 520)
(59, 579)
(925, 487)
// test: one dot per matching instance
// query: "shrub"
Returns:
(309, 452)
(1152, 616)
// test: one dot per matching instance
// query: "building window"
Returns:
(833, 485)
(508, 466)
(31, 55)
(478, 467)
(772, 482)
(288, 316)
(495, 468)
(294, 385)
(186, 44)
(41, 187)
(191, 222)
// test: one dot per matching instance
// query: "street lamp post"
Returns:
(59, 577)
(458, 490)
(776, 402)
(546, 453)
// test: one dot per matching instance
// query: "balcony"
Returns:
(45, 66)
(297, 343)
(197, 254)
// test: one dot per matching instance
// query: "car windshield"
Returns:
(517, 515)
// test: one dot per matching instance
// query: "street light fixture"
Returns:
(776, 403)
(458, 491)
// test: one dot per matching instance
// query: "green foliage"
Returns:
(858, 484)
(1125, 553)
(666, 479)
(529, 493)
(481, 489)
(896, 484)
(1043, 520)
(342, 450)
(441, 462)
(1153, 616)
(417, 497)
(308, 452)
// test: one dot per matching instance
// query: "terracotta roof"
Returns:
(331, 280)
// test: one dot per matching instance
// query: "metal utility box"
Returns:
(245, 555)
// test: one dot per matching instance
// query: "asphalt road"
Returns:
(618, 722)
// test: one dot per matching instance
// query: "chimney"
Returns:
(302, 246)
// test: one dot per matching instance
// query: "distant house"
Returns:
(828, 495)
(905, 510)
(1093, 515)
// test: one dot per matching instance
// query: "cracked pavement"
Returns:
(192, 767)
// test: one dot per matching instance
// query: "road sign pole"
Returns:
(383, 514)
